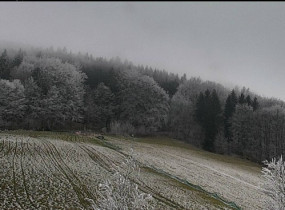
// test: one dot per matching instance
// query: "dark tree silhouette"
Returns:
(4, 65)
(255, 104)
(208, 115)
(248, 100)
(241, 99)
(228, 113)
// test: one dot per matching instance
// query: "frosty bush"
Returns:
(274, 175)
(120, 193)
(121, 128)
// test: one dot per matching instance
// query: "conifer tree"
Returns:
(200, 109)
(241, 99)
(255, 104)
(18, 58)
(248, 100)
(228, 113)
(214, 121)
(208, 110)
(4, 65)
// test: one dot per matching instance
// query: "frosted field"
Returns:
(58, 171)
(234, 179)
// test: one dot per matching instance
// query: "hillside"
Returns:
(47, 89)
(60, 170)
(142, 106)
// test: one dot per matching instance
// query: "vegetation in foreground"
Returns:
(274, 185)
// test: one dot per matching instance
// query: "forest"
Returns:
(47, 89)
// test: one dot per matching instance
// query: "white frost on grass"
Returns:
(54, 174)
(239, 182)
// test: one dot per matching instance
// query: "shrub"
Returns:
(120, 193)
(274, 186)
(121, 128)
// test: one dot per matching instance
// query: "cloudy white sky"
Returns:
(239, 43)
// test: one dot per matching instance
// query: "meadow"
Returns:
(49, 170)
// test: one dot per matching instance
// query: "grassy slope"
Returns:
(231, 178)
(163, 171)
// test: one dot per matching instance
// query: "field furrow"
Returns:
(70, 175)
(43, 172)
(60, 168)
(16, 186)
(29, 196)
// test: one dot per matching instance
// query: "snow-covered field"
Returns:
(46, 172)
(234, 179)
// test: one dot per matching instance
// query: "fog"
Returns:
(235, 43)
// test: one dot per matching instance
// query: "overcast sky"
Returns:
(239, 43)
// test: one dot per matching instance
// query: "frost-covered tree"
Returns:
(168, 81)
(182, 122)
(258, 135)
(120, 192)
(12, 102)
(141, 101)
(183, 105)
(33, 104)
(24, 70)
(54, 91)
(241, 123)
(61, 85)
(100, 105)
(274, 183)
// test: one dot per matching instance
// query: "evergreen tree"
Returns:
(200, 109)
(216, 104)
(255, 104)
(214, 121)
(208, 110)
(228, 113)
(248, 100)
(242, 124)
(183, 78)
(4, 66)
(18, 58)
(241, 99)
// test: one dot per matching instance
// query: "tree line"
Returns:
(47, 89)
